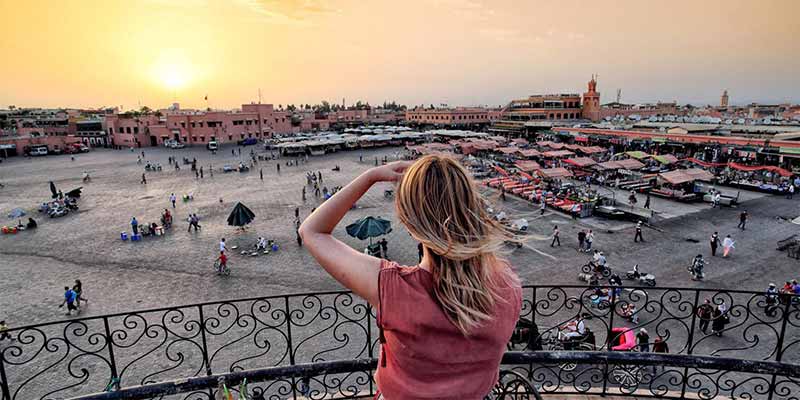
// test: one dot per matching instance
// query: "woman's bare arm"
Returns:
(355, 270)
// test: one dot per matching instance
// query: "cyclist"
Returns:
(223, 262)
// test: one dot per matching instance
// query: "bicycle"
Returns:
(226, 271)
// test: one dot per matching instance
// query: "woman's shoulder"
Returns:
(391, 267)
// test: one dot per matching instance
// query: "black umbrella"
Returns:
(53, 189)
(240, 216)
(74, 193)
(369, 227)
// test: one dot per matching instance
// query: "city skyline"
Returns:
(154, 52)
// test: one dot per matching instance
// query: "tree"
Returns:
(145, 110)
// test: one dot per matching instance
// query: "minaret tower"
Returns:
(591, 101)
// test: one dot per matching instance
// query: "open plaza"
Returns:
(176, 268)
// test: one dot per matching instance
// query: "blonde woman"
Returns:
(444, 323)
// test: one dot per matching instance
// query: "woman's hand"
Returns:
(391, 172)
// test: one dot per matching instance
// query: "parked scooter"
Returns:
(591, 267)
(643, 277)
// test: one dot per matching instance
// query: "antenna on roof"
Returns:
(619, 94)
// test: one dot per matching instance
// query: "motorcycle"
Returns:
(643, 277)
(56, 212)
(591, 267)
(697, 273)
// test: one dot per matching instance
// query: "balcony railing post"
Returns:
(369, 343)
(111, 359)
(4, 380)
(289, 342)
(203, 339)
(779, 345)
(690, 341)
(611, 310)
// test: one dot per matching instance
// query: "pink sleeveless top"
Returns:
(423, 355)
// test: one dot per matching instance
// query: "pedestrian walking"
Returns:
(638, 236)
(714, 242)
(589, 240)
(201, 172)
(78, 289)
(742, 220)
(727, 245)
(581, 239)
(704, 313)
(790, 192)
(384, 248)
(319, 173)
(632, 199)
(643, 340)
(556, 238)
(222, 246)
(719, 319)
(279, 167)
(210, 170)
(69, 300)
(134, 226)
(647, 201)
(296, 212)
(172, 199)
(196, 174)
(717, 197)
(144, 180)
(542, 206)
(196, 222)
(304, 193)
(660, 346)
(4, 332)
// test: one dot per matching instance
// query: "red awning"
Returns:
(580, 161)
(609, 165)
(558, 153)
(699, 174)
(630, 163)
(500, 170)
(530, 153)
(703, 163)
(527, 165)
(555, 173)
(582, 139)
(507, 150)
(591, 149)
(778, 170)
(676, 177)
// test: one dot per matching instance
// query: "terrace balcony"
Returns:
(324, 346)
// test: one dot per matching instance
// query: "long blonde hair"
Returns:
(439, 205)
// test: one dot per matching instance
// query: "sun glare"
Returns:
(172, 71)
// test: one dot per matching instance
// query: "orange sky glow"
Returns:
(459, 52)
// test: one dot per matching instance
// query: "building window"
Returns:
(201, 124)
(183, 124)
(127, 129)
(135, 129)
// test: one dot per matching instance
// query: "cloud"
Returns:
(289, 11)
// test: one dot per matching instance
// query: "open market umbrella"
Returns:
(74, 193)
(240, 216)
(369, 227)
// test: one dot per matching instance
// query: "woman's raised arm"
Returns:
(353, 269)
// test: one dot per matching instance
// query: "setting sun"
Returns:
(172, 71)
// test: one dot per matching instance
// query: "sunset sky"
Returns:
(70, 53)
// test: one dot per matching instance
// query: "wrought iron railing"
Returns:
(754, 347)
